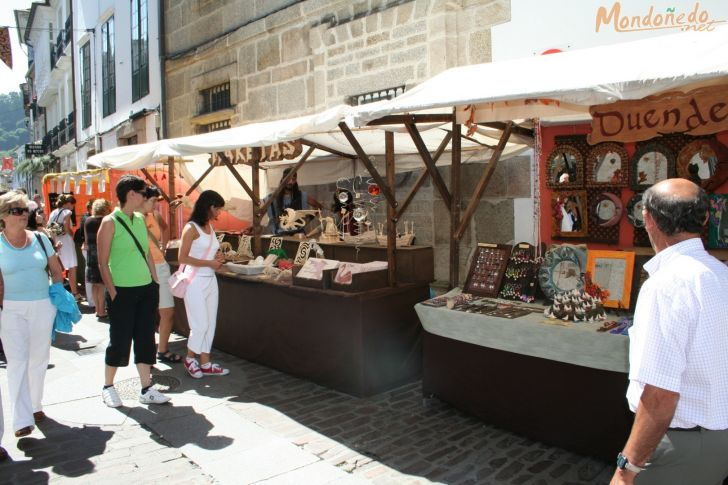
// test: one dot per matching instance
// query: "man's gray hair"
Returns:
(674, 214)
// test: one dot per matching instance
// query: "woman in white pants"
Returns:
(28, 314)
(198, 251)
(67, 253)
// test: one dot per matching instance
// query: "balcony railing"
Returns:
(62, 135)
(67, 31)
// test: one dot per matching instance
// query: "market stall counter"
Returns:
(358, 343)
(560, 383)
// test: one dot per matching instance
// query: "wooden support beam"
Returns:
(257, 217)
(399, 119)
(172, 207)
(422, 178)
(455, 207)
(326, 149)
(483, 182)
(154, 182)
(429, 163)
(226, 161)
(386, 190)
(199, 180)
(518, 130)
(391, 223)
(263, 208)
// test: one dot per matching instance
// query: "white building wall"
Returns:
(91, 15)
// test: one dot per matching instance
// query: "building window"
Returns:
(216, 126)
(132, 140)
(139, 50)
(86, 85)
(215, 98)
(374, 96)
(108, 70)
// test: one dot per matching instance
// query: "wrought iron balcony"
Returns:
(67, 31)
(62, 134)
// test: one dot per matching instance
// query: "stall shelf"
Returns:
(560, 385)
(357, 343)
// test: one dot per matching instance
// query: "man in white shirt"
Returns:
(678, 361)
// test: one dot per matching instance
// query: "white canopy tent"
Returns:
(566, 84)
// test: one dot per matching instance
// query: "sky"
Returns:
(10, 80)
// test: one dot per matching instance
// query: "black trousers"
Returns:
(132, 316)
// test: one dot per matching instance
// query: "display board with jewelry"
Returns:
(487, 269)
(520, 280)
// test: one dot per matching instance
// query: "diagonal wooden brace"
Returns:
(199, 180)
(386, 190)
(226, 161)
(154, 182)
(430, 164)
(483, 182)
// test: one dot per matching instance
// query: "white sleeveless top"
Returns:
(199, 249)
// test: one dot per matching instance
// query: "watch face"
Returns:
(621, 461)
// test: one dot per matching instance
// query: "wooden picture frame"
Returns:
(718, 221)
(569, 214)
(607, 165)
(612, 271)
(652, 162)
(565, 168)
(700, 161)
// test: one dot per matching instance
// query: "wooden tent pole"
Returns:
(257, 216)
(391, 222)
(455, 206)
(429, 163)
(156, 184)
(172, 207)
(199, 180)
(483, 182)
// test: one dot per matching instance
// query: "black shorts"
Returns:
(132, 316)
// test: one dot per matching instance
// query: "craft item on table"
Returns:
(293, 220)
(245, 247)
(563, 269)
(487, 268)
(302, 253)
(608, 326)
(623, 327)
(220, 237)
(330, 235)
(452, 301)
(521, 275)
(227, 251)
(314, 268)
(275, 243)
(402, 239)
(284, 264)
(344, 275)
(577, 306)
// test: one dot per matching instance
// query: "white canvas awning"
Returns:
(567, 83)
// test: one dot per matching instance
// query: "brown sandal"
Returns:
(39, 417)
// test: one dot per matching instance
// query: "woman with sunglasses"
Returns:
(27, 311)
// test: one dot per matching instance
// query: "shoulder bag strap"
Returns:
(207, 252)
(139, 246)
(43, 247)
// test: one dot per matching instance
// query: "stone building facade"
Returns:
(279, 59)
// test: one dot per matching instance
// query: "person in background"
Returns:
(199, 252)
(99, 209)
(128, 273)
(158, 236)
(61, 215)
(678, 369)
(27, 311)
(291, 197)
(79, 238)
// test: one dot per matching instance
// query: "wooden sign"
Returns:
(287, 150)
(275, 243)
(302, 253)
(699, 112)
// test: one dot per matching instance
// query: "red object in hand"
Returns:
(285, 264)
(373, 190)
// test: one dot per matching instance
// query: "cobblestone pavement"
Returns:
(396, 437)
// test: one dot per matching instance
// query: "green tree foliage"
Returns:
(13, 131)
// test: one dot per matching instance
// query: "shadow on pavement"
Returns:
(178, 426)
(66, 449)
(67, 341)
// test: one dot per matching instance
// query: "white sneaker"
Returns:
(193, 368)
(153, 396)
(111, 397)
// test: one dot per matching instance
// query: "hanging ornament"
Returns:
(89, 185)
(66, 184)
(102, 182)
(164, 176)
(343, 197)
(359, 214)
(77, 184)
(373, 190)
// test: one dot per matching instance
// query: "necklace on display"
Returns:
(23, 244)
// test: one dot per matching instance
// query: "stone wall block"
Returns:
(310, 93)
(404, 13)
(479, 47)
(237, 13)
(422, 71)
(377, 38)
(518, 170)
(247, 32)
(203, 26)
(372, 23)
(263, 104)
(246, 60)
(417, 39)
(374, 64)
(282, 18)
(410, 55)
(335, 51)
(361, 8)
(339, 60)
(437, 58)
(290, 71)
(353, 69)
(344, 13)
(315, 38)
(329, 38)
(418, 27)
(242, 88)
(269, 52)
(176, 85)
(387, 18)
(437, 26)
(258, 80)
(356, 28)
(494, 221)
(294, 45)
(355, 45)
(292, 96)
(334, 74)
(422, 8)
(342, 33)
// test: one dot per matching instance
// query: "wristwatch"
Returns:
(624, 464)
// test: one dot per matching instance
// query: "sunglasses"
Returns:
(18, 211)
